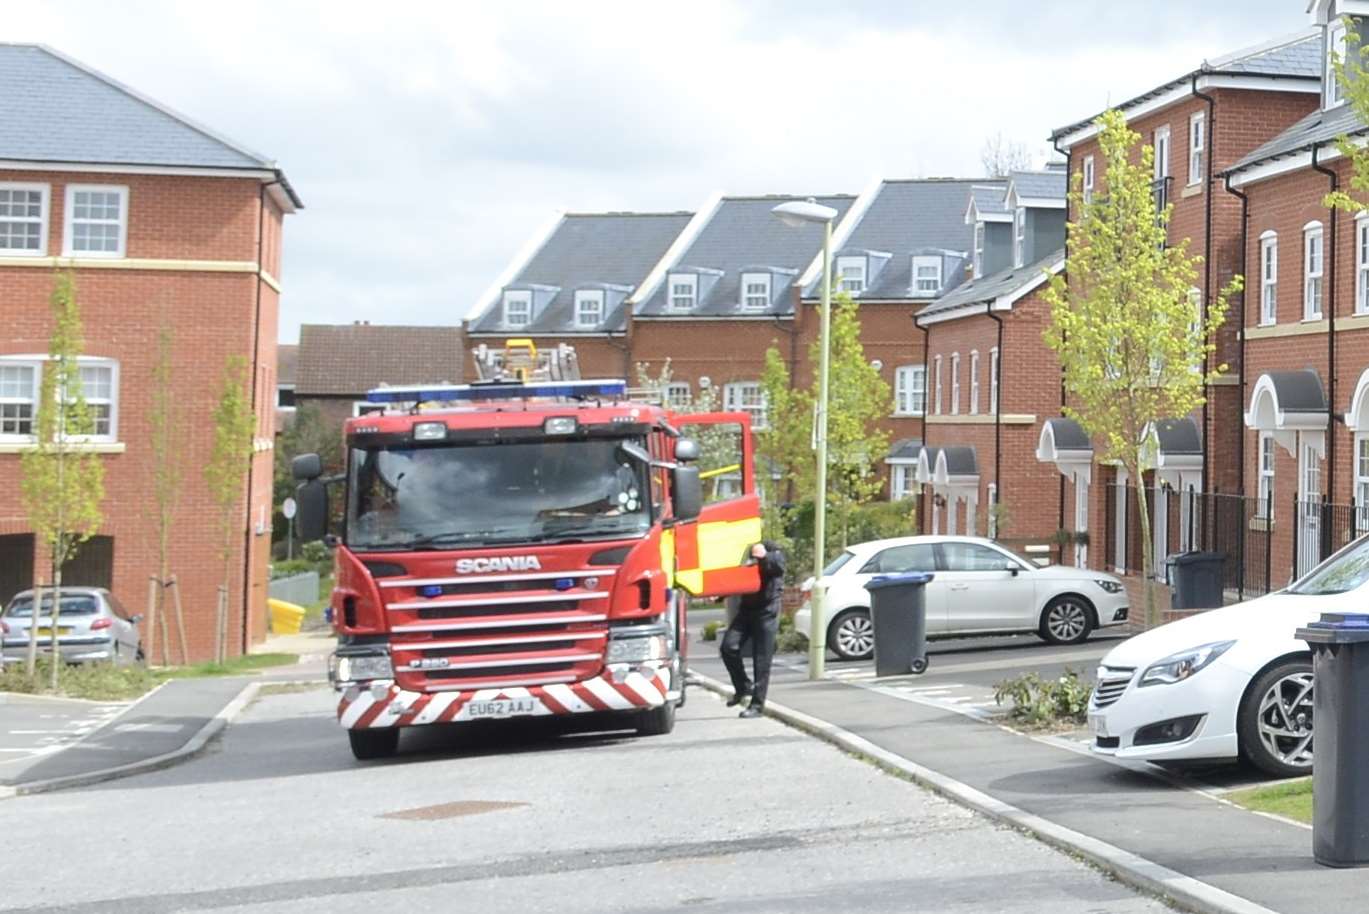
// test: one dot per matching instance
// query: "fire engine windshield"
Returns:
(459, 496)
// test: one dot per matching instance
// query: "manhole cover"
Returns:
(451, 810)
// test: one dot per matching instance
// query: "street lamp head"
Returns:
(798, 213)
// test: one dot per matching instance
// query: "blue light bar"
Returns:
(437, 393)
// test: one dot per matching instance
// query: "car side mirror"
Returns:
(1014, 570)
(311, 520)
(135, 618)
(687, 493)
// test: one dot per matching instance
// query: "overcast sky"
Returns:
(429, 140)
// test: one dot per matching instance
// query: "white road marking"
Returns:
(149, 728)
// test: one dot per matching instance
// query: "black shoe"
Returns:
(751, 711)
(738, 699)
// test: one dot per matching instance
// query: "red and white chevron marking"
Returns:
(359, 709)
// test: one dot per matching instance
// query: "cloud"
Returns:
(428, 140)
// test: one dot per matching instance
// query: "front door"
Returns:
(1081, 521)
(1309, 510)
(16, 565)
(985, 589)
(710, 553)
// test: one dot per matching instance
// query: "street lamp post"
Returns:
(799, 214)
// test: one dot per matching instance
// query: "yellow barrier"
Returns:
(285, 617)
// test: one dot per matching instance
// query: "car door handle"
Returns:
(960, 587)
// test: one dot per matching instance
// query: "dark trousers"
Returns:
(758, 629)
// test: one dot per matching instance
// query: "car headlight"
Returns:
(636, 650)
(1110, 586)
(1180, 666)
(355, 667)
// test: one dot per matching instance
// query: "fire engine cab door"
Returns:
(709, 553)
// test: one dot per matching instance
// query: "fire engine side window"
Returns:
(720, 461)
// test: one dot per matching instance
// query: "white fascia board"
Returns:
(843, 229)
(173, 170)
(1180, 92)
(520, 260)
(1322, 11)
(676, 250)
(1005, 302)
(1289, 163)
(996, 217)
(1041, 203)
(971, 211)
(970, 310)
(684, 318)
(540, 334)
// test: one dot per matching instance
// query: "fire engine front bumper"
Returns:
(383, 704)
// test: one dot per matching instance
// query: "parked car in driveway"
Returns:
(91, 626)
(979, 588)
(1232, 682)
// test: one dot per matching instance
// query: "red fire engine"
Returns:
(524, 546)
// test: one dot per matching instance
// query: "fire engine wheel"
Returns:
(657, 721)
(373, 744)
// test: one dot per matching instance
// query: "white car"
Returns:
(978, 588)
(1230, 682)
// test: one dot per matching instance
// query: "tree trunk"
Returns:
(1147, 554)
(219, 612)
(32, 653)
(56, 616)
(180, 619)
(150, 617)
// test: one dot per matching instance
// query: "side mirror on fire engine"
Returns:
(686, 450)
(306, 467)
(687, 492)
(311, 519)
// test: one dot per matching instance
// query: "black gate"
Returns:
(93, 565)
(16, 564)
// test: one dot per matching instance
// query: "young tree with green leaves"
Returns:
(1126, 323)
(165, 420)
(62, 480)
(1349, 74)
(234, 429)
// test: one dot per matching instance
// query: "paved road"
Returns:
(280, 819)
(32, 727)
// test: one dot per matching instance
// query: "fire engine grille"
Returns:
(529, 669)
(479, 611)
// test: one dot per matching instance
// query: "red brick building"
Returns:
(164, 224)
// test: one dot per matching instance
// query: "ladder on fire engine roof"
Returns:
(520, 360)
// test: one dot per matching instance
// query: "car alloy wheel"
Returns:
(1285, 719)
(1067, 621)
(855, 635)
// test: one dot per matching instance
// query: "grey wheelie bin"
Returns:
(1340, 772)
(898, 611)
(1197, 578)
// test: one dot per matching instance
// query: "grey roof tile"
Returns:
(989, 288)
(990, 198)
(1050, 184)
(1179, 437)
(743, 232)
(907, 217)
(590, 250)
(350, 359)
(1317, 128)
(1069, 435)
(905, 449)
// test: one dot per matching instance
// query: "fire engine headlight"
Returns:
(356, 667)
(560, 425)
(430, 431)
(636, 650)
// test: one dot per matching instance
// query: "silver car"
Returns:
(92, 626)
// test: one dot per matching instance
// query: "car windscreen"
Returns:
(74, 605)
(487, 494)
(835, 565)
(1342, 572)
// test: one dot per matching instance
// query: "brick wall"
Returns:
(212, 315)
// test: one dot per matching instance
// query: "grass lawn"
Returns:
(103, 682)
(236, 666)
(1292, 800)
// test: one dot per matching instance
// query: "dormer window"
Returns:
(755, 291)
(1335, 50)
(589, 308)
(684, 291)
(1019, 236)
(517, 308)
(851, 274)
(926, 275)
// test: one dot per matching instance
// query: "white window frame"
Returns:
(35, 365)
(677, 299)
(1335, 45)
(955, 383)
(112, 400)
(1197, 147)
(1019, 237)
(910, 397)
(855, 280)
(974, 382)
(926, 260)
(1362, 263)
(937, 382)
(678, 395)
(901, 482)
(366, 408)
(1161, 160)
(1269, 278)
(979, 231)
(993, 381)
(1265, 467)
(522, 297)
(44, 216)
(281, 388)
(755, 300)
(584, 297)
(1088, 179)
(735, 396)
(1362, 481)
(1313, 271)
(69, 220)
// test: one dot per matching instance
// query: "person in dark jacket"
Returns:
(757, 621)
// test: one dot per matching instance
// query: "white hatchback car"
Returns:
(979, 588)
(1229, 682)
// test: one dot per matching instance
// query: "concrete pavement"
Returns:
(527, 817)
